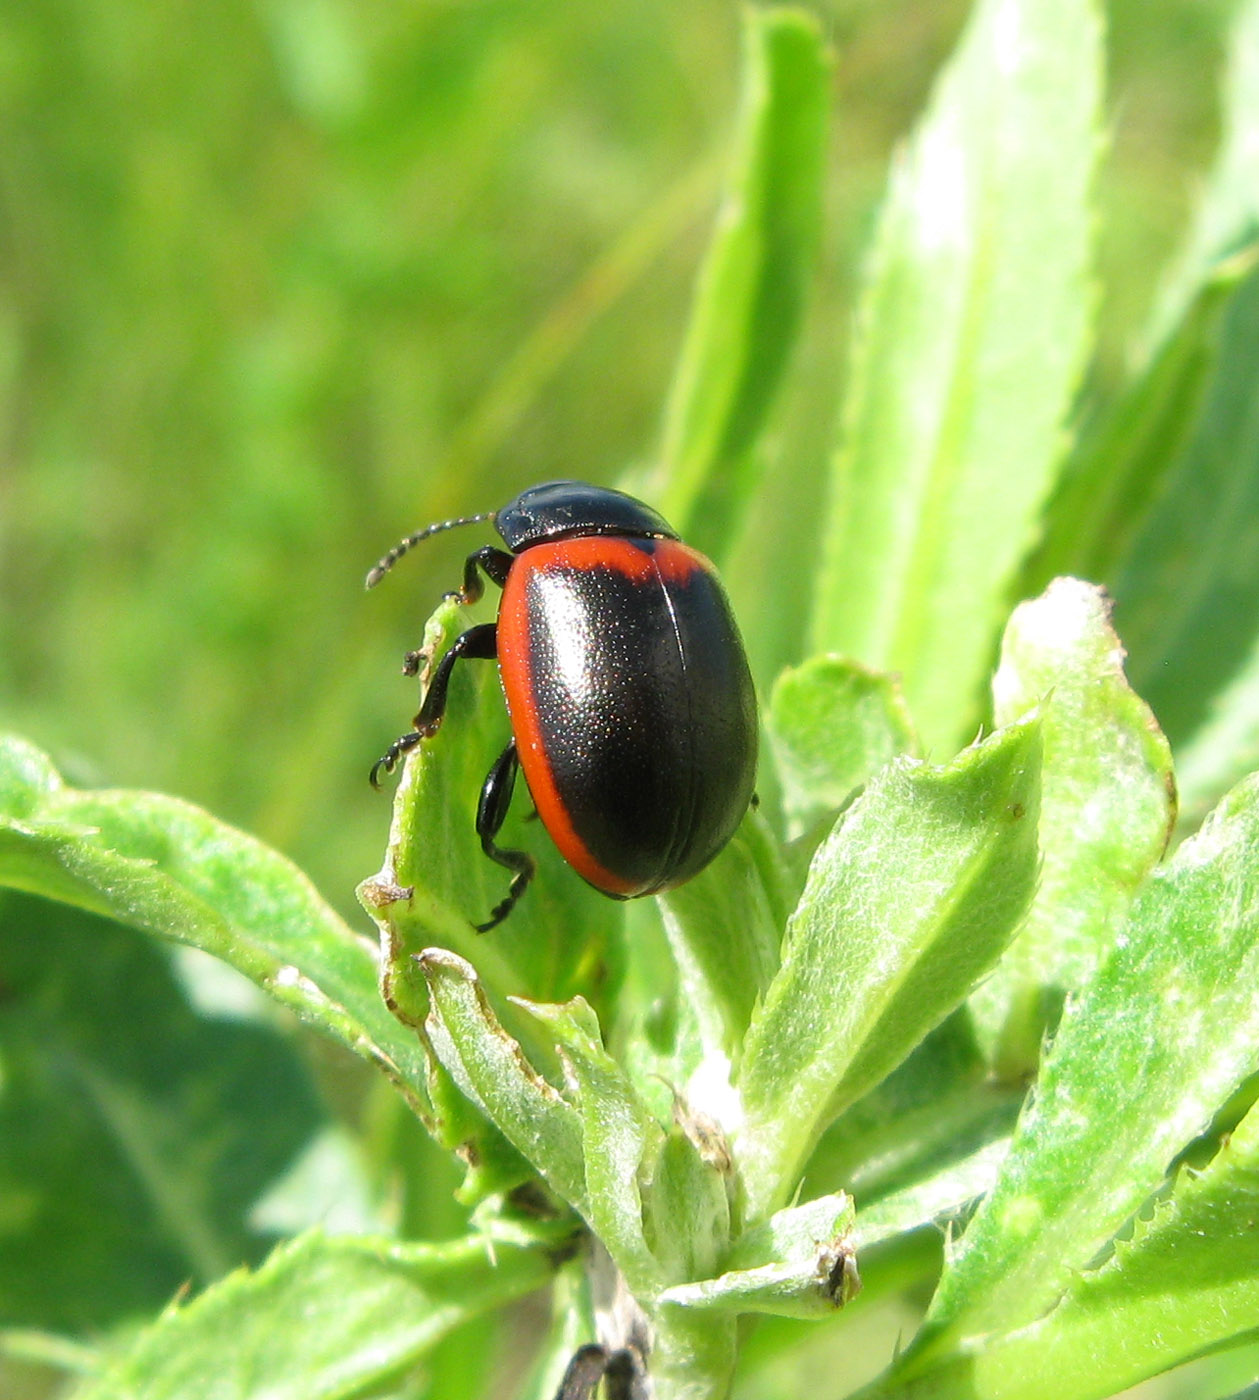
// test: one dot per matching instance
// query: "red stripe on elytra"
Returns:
(517, 675)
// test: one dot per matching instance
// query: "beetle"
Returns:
(631, 703)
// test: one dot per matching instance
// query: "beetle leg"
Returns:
(623, 1376)
(583, 1373)
(494, 563)
(620, 1371)
(490, 815)
(388, 760)
(477, 644)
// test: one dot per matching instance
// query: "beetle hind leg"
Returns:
(491, 813)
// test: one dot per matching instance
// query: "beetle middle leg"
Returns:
(490, 815)
(476, 644)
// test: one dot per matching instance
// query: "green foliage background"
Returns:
(278, 282)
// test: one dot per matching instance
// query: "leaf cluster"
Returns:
(975, 1015)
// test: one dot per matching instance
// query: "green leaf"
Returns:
(168, 868)
(832, 725)
(1227, 212)
(620, 1141)
(749, 302)
(1108, 801)
(437, 883)
(1113, 476)
(491, 1069)
(1188, 594)
(909, 902)
(1180, 443)
(938, 1199)
(1224, 746)
(724, 928)
(1141, 1061)
(688, 1205)
(1186, 1283)
(184, 1120)
(973, 331)
(323, 1319)
(939, 1106)
(798, 1263)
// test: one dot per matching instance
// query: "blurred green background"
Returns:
(280, 281)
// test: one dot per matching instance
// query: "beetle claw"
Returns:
(388, 760)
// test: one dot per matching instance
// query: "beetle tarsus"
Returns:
(388, 760)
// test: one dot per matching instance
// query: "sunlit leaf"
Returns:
(749, 302)
(1140, 1063)
(973, 331)
(1185, 1284)
(1108, 800)
(832, 725)
(911, 899)
(167, 867)
(326, 1318)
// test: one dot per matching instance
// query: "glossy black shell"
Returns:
(636, 690)
(558, 509)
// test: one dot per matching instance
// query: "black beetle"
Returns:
(632, 708)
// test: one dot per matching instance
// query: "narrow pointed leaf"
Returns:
(326, 1318)
(1227, 213)
(1224, 746)
(1155, 506)
(1185, 1284)
(1112, 478)
(940, 1106)
(938, 1200)
(800, 1263)
(972, 334)
(724, 928)
(1151, 1049)
(1188, 594)
(1106, 813)
(490, 1067)
(620, 1140)
(689, 1208)
(912, 898)
(749, 302)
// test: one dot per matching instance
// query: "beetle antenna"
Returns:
(383, 565)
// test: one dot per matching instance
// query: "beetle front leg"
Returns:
(493, 562)
(476, 644)
(490, 815)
